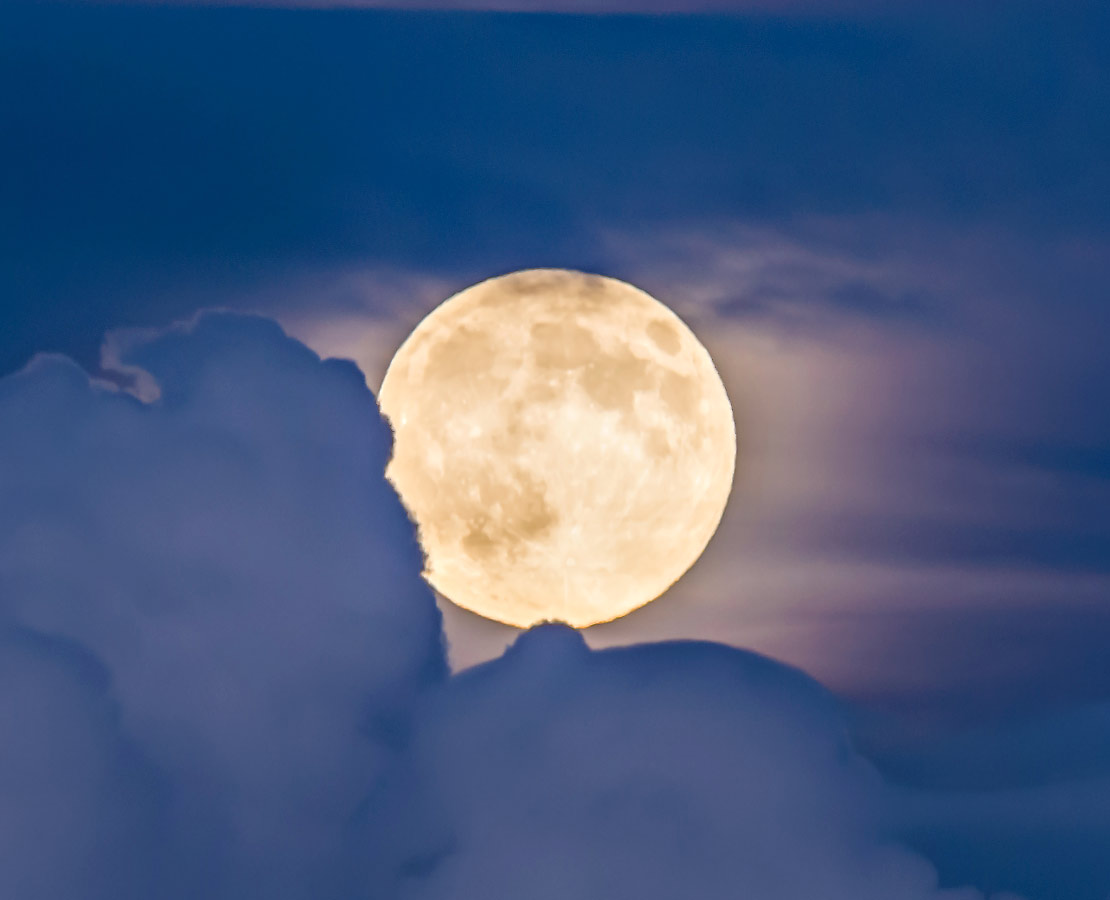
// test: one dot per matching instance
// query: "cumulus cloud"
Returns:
(78, 803)
(658, 771)
(222, 676)
(231, 555)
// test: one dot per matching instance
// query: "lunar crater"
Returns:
(566, 446)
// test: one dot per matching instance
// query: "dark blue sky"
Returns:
(152, 153)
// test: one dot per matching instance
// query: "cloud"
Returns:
(901, 497)
(78, 803)
(221, 675)
(916, 478)
(655, 771)
(901, 500)
(213, 629)
(232, 557)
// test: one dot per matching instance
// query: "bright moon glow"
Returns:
(564, 444)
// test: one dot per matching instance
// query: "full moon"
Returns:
(563, 443)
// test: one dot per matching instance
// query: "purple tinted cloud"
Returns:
(79, 801)
(221, 676)
(231, 557)
(654, 772)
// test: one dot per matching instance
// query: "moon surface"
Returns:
(563, 443)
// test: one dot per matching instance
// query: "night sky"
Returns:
(221, 674)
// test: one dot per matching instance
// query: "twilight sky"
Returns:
(890, 224)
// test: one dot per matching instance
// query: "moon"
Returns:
(563, 443)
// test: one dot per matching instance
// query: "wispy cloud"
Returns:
(891, 472)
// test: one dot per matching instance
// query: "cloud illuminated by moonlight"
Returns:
(221, 676)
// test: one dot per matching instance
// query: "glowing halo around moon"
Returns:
(563, 443)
